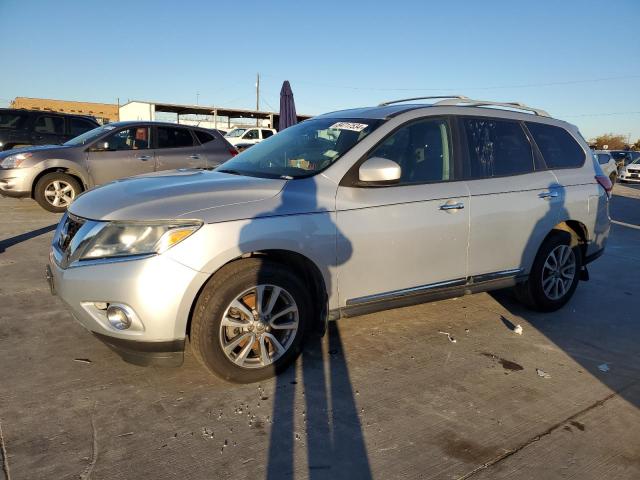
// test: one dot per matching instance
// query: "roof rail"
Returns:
(453, 100)
(391, 102)
(487, 103)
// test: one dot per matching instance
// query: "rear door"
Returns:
(407, 237)
(176, 147)
(128, 152)
(513, 204)
(213, 148)
(48, 129)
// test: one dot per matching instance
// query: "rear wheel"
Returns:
(249, 320)
(55, 191)
(554, 276)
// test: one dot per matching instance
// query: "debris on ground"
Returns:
(451, 339)
(518, 330)
(542, 373)
(125, 434)
(207, 433)
(82, 360)
(604, 367)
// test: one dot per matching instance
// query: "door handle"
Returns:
(452, 206)
(194, 157)
(144, 158)
(552, 194)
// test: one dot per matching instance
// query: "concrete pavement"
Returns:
(384, 395)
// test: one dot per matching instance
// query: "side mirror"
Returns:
(379, 170)
(101, 147)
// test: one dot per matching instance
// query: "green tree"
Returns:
(613, 141)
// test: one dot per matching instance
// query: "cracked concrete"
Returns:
(381, 396)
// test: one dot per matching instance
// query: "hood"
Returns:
(172, 194)
(34, 149)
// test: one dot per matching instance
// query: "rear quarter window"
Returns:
(13, 121)
(558, 148)
(204, 137)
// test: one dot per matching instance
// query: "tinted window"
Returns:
(78, 127)
(135, 138)
(52, 124)
(557, 146)
(497, 148)
(12, 120)
(422, 149)
(203, 137)
(251, 135)
(174, 137)
(266, 133)
(603, 158)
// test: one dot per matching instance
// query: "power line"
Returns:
(449, 89)
(600, 114)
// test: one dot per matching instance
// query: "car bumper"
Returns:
(157, 291)
(626, 177)
(15, 182)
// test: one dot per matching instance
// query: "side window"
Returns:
(557, 146)
(174, 137)
(497, 148)
(203, 137)
(251, 135)
(46, 124)
(603, 158)
(135, 138)
(266, 134)
(14, 121)
(78, 126)
(422, 149)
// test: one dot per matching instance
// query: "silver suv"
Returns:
(55, 174)
(346, 213)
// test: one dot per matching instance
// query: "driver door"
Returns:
(410, 237)
(124, 153)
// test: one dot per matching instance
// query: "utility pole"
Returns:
(257, 98)
(197, 98)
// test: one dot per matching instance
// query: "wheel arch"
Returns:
(302, 265)
(578, 231)
(61, 169)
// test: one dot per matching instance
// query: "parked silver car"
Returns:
(346, 213)
(55, 174)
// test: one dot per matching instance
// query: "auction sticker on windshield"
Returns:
(356, 127)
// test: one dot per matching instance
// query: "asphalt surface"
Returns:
(384, 396)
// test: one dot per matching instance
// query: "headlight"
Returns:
(15, 160)
(126, 239)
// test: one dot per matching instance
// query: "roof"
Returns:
(124, 123)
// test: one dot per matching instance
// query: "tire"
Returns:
(244, 361)
(533, 293)
(55, 191)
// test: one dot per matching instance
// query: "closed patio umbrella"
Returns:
(287, 107)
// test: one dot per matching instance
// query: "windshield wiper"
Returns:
(232, 172)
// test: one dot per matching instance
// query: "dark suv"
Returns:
(20, 128)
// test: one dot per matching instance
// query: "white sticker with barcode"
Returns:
(356, 127)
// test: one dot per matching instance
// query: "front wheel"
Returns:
(55, 191)
(249, 321)
(554, 275)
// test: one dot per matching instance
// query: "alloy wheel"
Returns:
(259, 326)
(558, 272)
(59, 193)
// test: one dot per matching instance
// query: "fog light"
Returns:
(118, 317)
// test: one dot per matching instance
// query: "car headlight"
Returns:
(118, 239)
(15, 160)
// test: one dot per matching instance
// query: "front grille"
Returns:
(69, 229)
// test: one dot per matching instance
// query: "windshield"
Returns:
(302, 150)
(89, 136)
(236, 132)
(635, 162)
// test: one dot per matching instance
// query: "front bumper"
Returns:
(158, 291)
(627, 177)
(15, 182)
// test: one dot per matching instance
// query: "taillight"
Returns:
(233, 151)
(605, 183)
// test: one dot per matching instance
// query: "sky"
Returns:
(579, 60)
